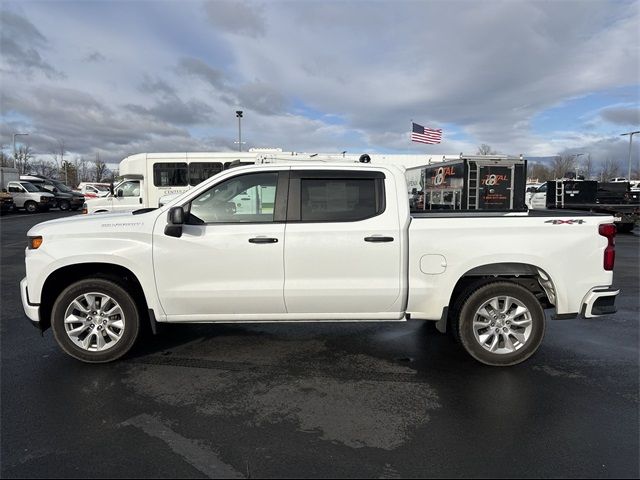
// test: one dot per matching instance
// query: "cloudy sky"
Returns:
(121, 77)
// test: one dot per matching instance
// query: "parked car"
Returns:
(320, 242)
(65, 198)
(6, 201)
(28, 196)
(94, 190)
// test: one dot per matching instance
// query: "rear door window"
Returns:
(339, 196)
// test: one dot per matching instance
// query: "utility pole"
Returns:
(14, 146)
(239, 115)
(631, 134)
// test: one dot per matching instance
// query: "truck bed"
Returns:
(502, 213)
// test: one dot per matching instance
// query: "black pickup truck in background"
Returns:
(613, 198)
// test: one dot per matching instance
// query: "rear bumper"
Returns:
(31, 310)
(599, 301)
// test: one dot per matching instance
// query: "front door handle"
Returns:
(378, 239)
(263, 240)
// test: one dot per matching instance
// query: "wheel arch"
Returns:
(531, 277)
(64, 276)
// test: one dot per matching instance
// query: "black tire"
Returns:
(31, 206)
(625, 227)
(64, 205)
(115, 291)
(463, 323)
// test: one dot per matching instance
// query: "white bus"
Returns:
(145, 178)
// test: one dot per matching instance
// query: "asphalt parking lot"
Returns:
(329, 400)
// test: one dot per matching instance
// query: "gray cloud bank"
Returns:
(325, 76)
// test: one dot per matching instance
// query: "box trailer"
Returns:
(469, 183)
(612, 198)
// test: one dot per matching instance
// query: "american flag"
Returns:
(425, 135)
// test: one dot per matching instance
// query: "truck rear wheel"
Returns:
(95, 320)
(500, 324)
(625, 227)
(64, 205)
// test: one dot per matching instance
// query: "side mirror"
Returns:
(175, 220)
(120, 193)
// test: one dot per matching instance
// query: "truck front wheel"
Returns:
(501, 324)
(95, 320)
(31, 207)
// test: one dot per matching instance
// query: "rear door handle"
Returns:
(263, 240)
(378, 239)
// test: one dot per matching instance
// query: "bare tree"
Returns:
(4, 158)
(44, 167)
(587, 167)
(539, 172)
(561, 164)
(100, 168)
(485, 149)
(23, 156)
(609, 169)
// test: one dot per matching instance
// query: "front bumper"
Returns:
(31, 310)
(599, 301)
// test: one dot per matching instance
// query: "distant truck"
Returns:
(64, 197)
(24, 194)
(613, 198)
(6, 201)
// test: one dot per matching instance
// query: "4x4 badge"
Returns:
(567, 222)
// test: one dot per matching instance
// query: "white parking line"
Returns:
(196, 455)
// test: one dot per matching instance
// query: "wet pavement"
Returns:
(383, 400)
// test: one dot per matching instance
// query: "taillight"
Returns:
(608, 230)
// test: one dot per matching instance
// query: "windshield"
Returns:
(62, 187)
(29, 187)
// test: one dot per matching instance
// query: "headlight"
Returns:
(35, 242)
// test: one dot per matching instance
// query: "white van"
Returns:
(146, 177)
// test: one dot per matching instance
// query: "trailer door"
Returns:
(496, 187)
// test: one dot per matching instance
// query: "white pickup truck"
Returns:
(317, 242)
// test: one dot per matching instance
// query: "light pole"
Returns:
(239, 115)
(14, 146)
(631, 134)
(576, 156)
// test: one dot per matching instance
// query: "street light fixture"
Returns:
(239, 115)
(631, 134)
(14, 146)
